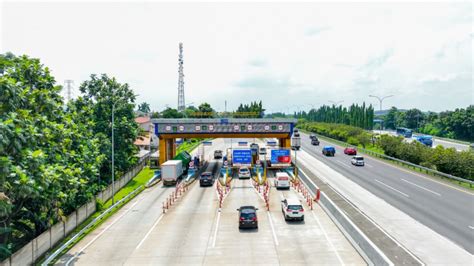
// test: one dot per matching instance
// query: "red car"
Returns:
(350, 151)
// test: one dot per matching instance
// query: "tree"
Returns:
(144, 107)
(171, 113)
(206, 110)
(49, 157)
(391, 118)
(101, 94)
(414, 118)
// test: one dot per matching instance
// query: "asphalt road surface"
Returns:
(445, 209)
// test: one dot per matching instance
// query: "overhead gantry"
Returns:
(168, 130)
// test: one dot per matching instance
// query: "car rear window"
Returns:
(283, 178)
(359, 158)
(295, 207)
(244, 170)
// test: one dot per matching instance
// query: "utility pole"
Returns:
(380, 102)
(181, 103)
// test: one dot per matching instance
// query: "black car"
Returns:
(206, 179)
(312, 136)
(248, 217)
(315, 141)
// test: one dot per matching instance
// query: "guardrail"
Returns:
(386, 157)
(58, 251)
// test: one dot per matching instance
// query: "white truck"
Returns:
(170, 172)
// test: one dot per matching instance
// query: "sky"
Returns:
(292, 56)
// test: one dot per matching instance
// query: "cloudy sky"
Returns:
(290, 56)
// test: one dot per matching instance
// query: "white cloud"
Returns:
(282, 53)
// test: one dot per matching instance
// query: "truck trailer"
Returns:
(170, 172)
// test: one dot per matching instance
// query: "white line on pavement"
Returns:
(149, 231)
(217, 228)
(370, 166)
(273, 229)
(343, 164)
(327, 238)
(472, 227)
(101, 233)
(394, 189)
(436, 193)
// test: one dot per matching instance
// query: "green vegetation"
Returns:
(457, 124)
(55, 157)
(144, 107)
(188, 146)
(254, 110)
(358, 116)
(448, 161)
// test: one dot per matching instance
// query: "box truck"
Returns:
(170, 172)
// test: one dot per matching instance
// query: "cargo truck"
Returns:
(171, 171)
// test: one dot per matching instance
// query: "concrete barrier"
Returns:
(371, 253)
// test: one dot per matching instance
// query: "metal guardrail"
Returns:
(58, 251)
(376, 154)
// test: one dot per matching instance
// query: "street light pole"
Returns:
(113, 159)
(380, 106)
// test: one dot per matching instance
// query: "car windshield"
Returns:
(295, 207)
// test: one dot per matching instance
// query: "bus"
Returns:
(405, 132)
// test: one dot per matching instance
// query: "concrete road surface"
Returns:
(436, 141)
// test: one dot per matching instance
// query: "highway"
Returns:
(445, 209)
(195, 231)
(436, 141)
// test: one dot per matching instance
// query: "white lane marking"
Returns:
(273, 229)
(217, 228)
(343, 164)
(370, 166)
(436, 193)
(394, 189)
(327, 238)
(149, 231)
(101, 233)
(472, 227)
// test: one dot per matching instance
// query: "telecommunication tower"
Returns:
(181, 103)
(68, 84)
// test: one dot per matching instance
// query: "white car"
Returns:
(357, 160)
(244, 172)
(263, 151)
(282, 180)
(292, 209)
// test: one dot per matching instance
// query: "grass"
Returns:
(188, 146)
(139, 180)
(415, 169)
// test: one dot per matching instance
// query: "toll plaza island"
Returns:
(168, 130)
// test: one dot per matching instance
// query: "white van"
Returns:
(282, 180)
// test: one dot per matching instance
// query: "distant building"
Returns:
(149, 141)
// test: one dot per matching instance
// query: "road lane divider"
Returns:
(368, 250)
(392, 188)
(149, 231)
(275, 239)
(416, 185)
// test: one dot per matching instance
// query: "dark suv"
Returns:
(206, 179)
(314, 141)
(217, 154)
(248, 217)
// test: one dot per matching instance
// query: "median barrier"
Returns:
(371, 253)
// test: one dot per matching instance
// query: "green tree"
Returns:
(390, 120)
(102, 94)
(49, 157)
(206, 110)
(144, 107)
(171, 113)
(414, 118)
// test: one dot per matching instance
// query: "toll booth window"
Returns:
(274, 127)
(203, 127)
(242, 128)
(175, 129)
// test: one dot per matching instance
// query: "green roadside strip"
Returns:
(372, 151)
(136, 185)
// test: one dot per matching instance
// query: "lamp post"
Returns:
(380, 106)
(113, 148)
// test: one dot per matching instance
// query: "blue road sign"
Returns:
(280, 156)
(224, 121)
(207, 143)
(242, 157)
